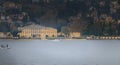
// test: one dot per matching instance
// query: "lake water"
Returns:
(69, 52)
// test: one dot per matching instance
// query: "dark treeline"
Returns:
(90, 17)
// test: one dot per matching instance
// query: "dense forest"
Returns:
(90, 17)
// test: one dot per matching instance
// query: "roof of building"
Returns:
(35, 26)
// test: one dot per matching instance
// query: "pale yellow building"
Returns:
(37, 31)
(71, 34)
(2, 35)
(5, 35)
(74, 34)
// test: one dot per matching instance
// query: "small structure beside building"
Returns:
(2, 35)
(74, 34)
(6, 35)
(68, 33)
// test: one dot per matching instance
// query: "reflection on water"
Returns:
(60, 52)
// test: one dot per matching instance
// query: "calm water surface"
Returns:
(60, 52)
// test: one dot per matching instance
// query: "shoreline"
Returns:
(41, 39)
(56, 39)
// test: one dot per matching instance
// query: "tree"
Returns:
(66, 31)
(15, 32)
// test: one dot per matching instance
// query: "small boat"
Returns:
(56, 40)
(4, 47)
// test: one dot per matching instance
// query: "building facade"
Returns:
(6, 35)
(74, 35)
(2, 35)
(37, 31)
